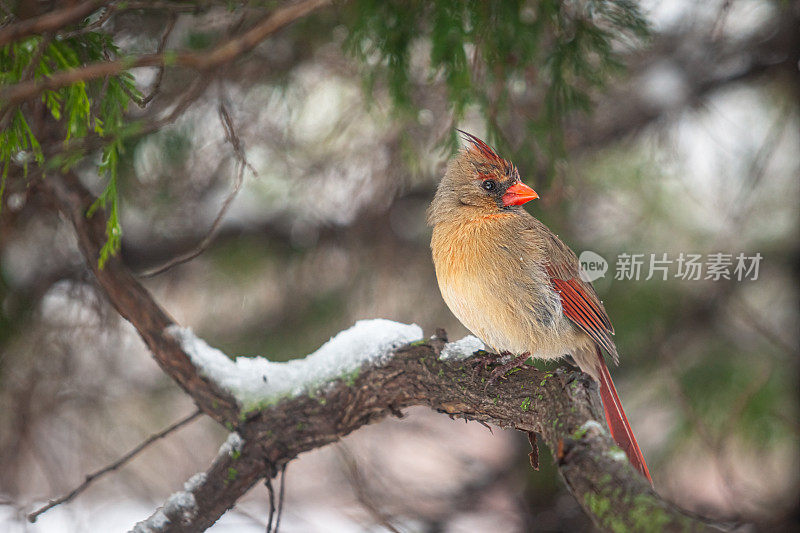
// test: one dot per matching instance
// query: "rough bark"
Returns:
(562, 406)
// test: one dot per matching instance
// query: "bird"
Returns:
(513, 283)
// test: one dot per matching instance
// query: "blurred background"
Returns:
(683, 138)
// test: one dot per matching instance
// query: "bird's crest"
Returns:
(480, 148)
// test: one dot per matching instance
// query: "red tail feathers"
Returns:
(618, 422)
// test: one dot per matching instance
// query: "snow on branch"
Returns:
(461, 349)
(257, 382)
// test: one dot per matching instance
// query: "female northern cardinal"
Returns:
(513, 283)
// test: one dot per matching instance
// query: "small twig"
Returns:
(113, 466)
(280, 497)
(271, 492)
(195, 91)
(275, 511)
(534, 455)
(241, 165)
(107, 12)
(162, 44)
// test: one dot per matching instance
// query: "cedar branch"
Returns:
(200, 61)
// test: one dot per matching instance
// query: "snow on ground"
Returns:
(461, 349)
(257, 382)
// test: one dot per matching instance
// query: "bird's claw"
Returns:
(484, 359)
(500, 371)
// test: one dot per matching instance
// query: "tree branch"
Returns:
(201, 61)
(562, 406)
(49, 22)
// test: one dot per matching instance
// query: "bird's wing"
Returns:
(578, 298)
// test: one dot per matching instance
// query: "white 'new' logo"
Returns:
(592, 266)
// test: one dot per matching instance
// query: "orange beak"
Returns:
(518, 194)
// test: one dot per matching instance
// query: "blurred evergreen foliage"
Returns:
(560, 50)
(480, 50)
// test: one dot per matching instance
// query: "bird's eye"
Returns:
(489, 185)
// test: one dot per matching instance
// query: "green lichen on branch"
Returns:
(526, 403)
(640, 513)
(579, 433)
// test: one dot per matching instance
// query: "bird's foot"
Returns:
(485, 359)
(502, 370)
